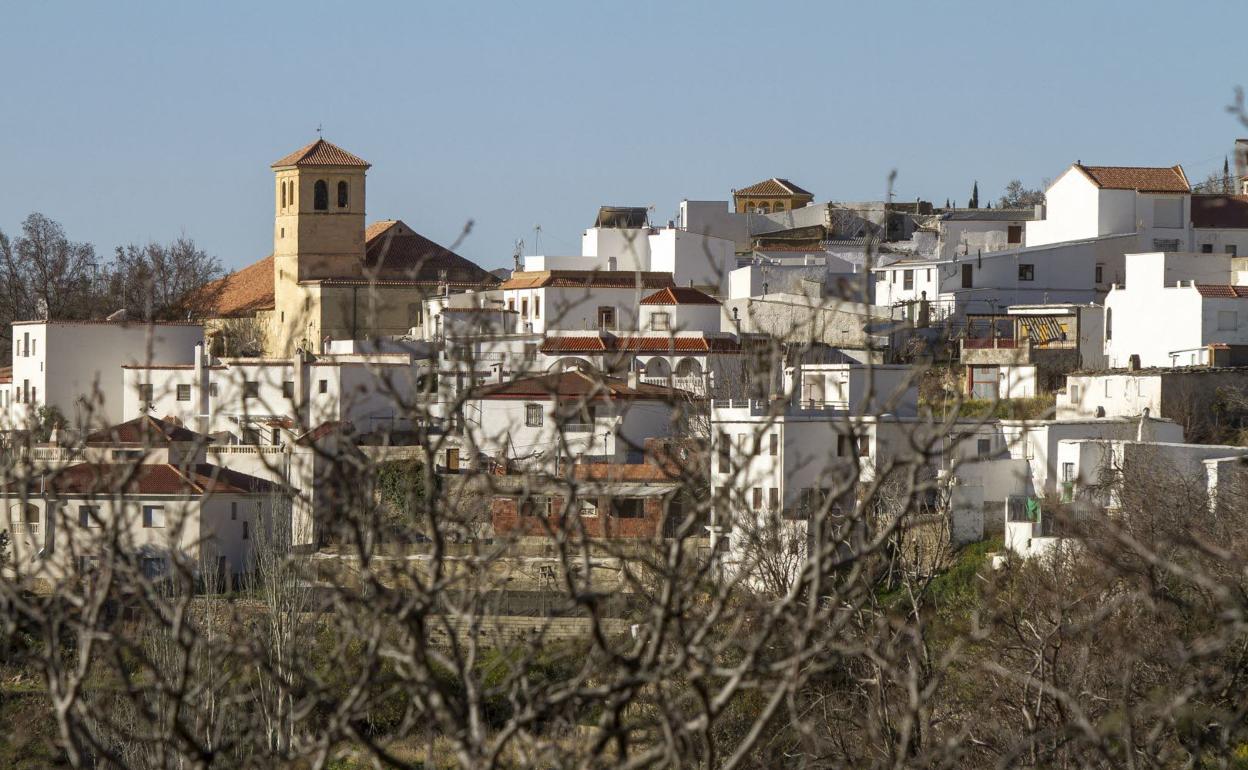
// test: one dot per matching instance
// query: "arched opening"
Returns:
(320, 196)
(689, 367)
(658, 369)
(342, 195)
(572, 363)
(283, 195)
(763, 208)
(779, 206)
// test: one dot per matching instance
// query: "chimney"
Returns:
(498, 373)
(1040, 211)
(201, 391)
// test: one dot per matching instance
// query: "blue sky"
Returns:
(131, 121)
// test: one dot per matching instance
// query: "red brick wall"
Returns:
(509, 522)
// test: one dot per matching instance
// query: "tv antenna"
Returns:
(537, 239)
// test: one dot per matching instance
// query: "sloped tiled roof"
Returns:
(147, 430)
(1230, 211)
(774, 186)
(242, 292)
(588, 279)
(1141, 178)
(573, 386)
(6, 374)
(395, 255)
(1224, 291)
(394, 251)
(320, 153)
(148, 479)
(679, 295)
(640, 344)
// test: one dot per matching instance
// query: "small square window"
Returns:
(533, 415)
(288, 389)
(89, 516)
(251, 389)
(146, 392)
(1232, 249)
(1026, 272)
(1228, 320)
(773, 498)
(322, 386)
(1206, 248)
(184, 392)
(153, 516)
(660, 322)
(212, 389)
(983, 447)
(775, 445)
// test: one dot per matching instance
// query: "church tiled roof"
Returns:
(773, 186)
(396, 252)
(242, 292)
(320, 153)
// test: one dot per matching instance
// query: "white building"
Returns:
(1092, 201)
(545, 422)
(1187, 395)
(74, 366)
(580, 299)
(962, 232)
(1028, 350)
(1203, 312)
(171, 505)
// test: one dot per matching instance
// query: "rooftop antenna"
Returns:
(519, 250)
(537, 239)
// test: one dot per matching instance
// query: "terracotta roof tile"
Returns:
(1220, 211)
(588, 279)
(148, 479)
(394, 251)
(773, 186)
(1141, 178)
(679, 295)
(641, 344)
(242, 292)
(1225, 291)
(574, 386)
(146, 430)
(320, 153)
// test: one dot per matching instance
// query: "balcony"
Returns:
(693, 384)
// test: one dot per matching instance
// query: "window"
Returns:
(251, 389)
(983, 447)
(893, 274)
(246, 531)
(1109, 323)
(1108, 392)
(233, 511)
(276, 437)
(537, 505)
(283, 195)
(34, 346)
(415, 314)
(864, 446)
(1206, 248)
(288, 389)
(758, 498)
(250, 436)
(606, 317)
(537, 307)
(775, 445)
(773, 499)
(533, 415)
(322, 386)
(1074, 394)
(212, 389)
(89, 516)
(1100, 274)
(1068, 471)
(184, 392)
(927, 275)
(1231, 249)
(511, 304)
(968, 280)
(524, 307)
(320, 196)
(907, 280)
(34, 394)
(1168, 212)
(660, 322)
(779, 206)
(628, 507)
(342, 195)
(725, 453)
(1026, 272)
(26, 344)
(589, 506)
(153, 516)
(1014, 234)
(1228, 320)
(146, 392)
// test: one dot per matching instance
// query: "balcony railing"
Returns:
(692, 383)
(989, 343)
(578, 427)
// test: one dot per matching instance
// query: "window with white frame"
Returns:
(660, 321)
(89, 516)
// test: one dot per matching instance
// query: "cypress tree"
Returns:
(973, 203)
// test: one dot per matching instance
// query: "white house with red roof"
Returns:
(1177, 309)
(1092, 201)
(143, 491)
(544, 422)
(580, 300)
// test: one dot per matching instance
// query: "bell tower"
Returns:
(318, 233)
